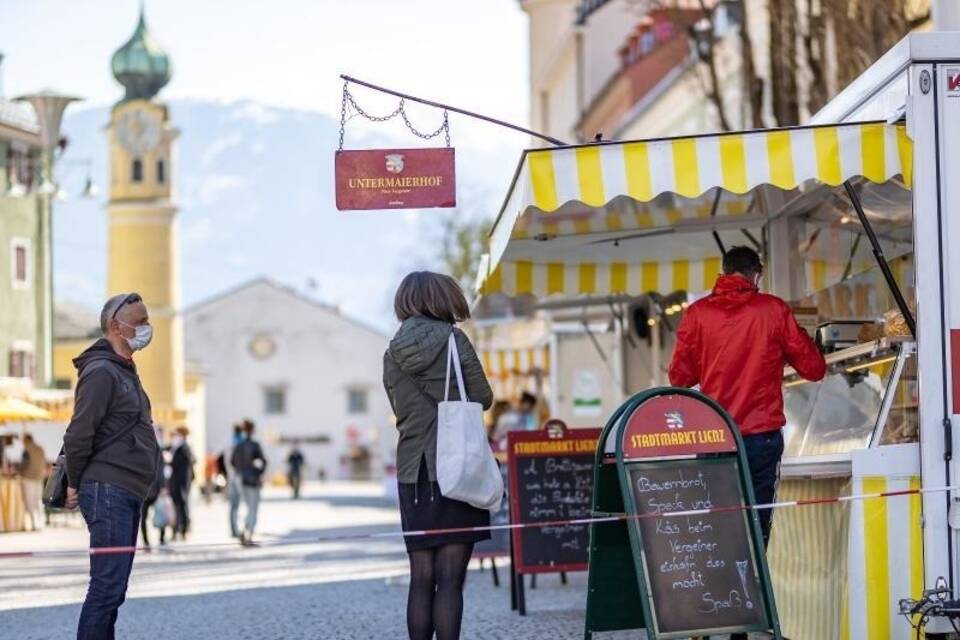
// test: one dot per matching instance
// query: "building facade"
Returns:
(23, 319)
(142, 253)
(629, 69)
(301, 371)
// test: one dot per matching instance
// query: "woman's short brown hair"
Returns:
(433, 295)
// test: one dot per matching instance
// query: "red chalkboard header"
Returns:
(676, 425)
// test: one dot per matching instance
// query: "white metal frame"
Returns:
(910, 77)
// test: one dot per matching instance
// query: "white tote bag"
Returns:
(466, 468)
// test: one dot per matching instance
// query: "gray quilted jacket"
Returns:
(414, 369)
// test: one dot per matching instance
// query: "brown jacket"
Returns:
(34, 465)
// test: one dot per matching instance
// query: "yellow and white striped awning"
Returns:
(598, 278)
(575, 218)
(512, 371)
(584, 220)
(502, 363)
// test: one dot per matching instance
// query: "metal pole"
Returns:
(881, 260)
(440, 105)
(45, 292)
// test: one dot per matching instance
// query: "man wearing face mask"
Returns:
(111, 455)
(735, 343)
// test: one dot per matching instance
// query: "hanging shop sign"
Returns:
(396, 179)
(690, 560)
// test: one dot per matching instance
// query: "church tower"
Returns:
(142, 245)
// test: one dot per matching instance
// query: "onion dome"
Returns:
(140, 65)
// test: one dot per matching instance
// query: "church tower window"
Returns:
(161, 171)
(136, 171)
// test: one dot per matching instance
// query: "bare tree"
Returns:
(861, 31)
(784, 85)
(463, 240)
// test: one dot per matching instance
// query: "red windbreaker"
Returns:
(734, 343)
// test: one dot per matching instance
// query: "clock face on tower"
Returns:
(138, 131)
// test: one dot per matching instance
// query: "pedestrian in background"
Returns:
(159, 483)
(233, 481)
(33, 470)
(250, 464)
(527, 410)
(295, 470)
(111, 456)
(414, 373)
(181, 479)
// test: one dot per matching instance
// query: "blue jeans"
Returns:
(112, 515)
(251, 498)
(764, 451)
(233, 495)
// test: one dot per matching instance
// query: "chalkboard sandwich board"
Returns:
(551, 479)
(498, 544)
(697, 557)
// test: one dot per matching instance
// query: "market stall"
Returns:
(14, 412)
(855, 218)
(651, 218)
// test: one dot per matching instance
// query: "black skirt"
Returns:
(422, 508)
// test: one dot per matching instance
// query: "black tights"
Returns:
(435, 603)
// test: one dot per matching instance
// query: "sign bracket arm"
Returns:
(464, 112)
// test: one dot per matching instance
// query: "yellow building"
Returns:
(143, 253)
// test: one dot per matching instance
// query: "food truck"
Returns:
(856, 217)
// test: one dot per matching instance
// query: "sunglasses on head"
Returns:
(133, 298)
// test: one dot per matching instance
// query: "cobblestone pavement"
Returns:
(343, 590)
(354, 589)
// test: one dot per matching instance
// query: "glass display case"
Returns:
(868, 398)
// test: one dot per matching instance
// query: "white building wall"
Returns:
(319, 355)
(553, 77)
(606, 31)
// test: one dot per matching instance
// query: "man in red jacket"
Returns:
(734, 343)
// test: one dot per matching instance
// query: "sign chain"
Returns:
(348, 99)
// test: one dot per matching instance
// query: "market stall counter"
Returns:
(12, 512)
(854, 432)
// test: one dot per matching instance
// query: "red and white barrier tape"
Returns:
(614, 517)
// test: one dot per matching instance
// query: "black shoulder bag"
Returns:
(55, 488)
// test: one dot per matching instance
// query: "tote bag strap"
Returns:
(454, 355)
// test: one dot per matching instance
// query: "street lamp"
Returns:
(49, 107)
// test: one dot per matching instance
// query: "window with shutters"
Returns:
(275, 400)
(20, 364)
(357, 401)
(20, 271)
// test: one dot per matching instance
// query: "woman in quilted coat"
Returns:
(429, 305)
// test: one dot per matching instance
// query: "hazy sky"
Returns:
(284, 53)
(280, 52)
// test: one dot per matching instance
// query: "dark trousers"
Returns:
(294, 479)
(764, 451)
(144, 510)
(112, 515)
(144, 519)
(181, 503)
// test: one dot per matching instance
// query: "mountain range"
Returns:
(255, 188)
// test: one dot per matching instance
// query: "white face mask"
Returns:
(142, 335)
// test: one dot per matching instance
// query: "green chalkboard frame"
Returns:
(612, 587)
